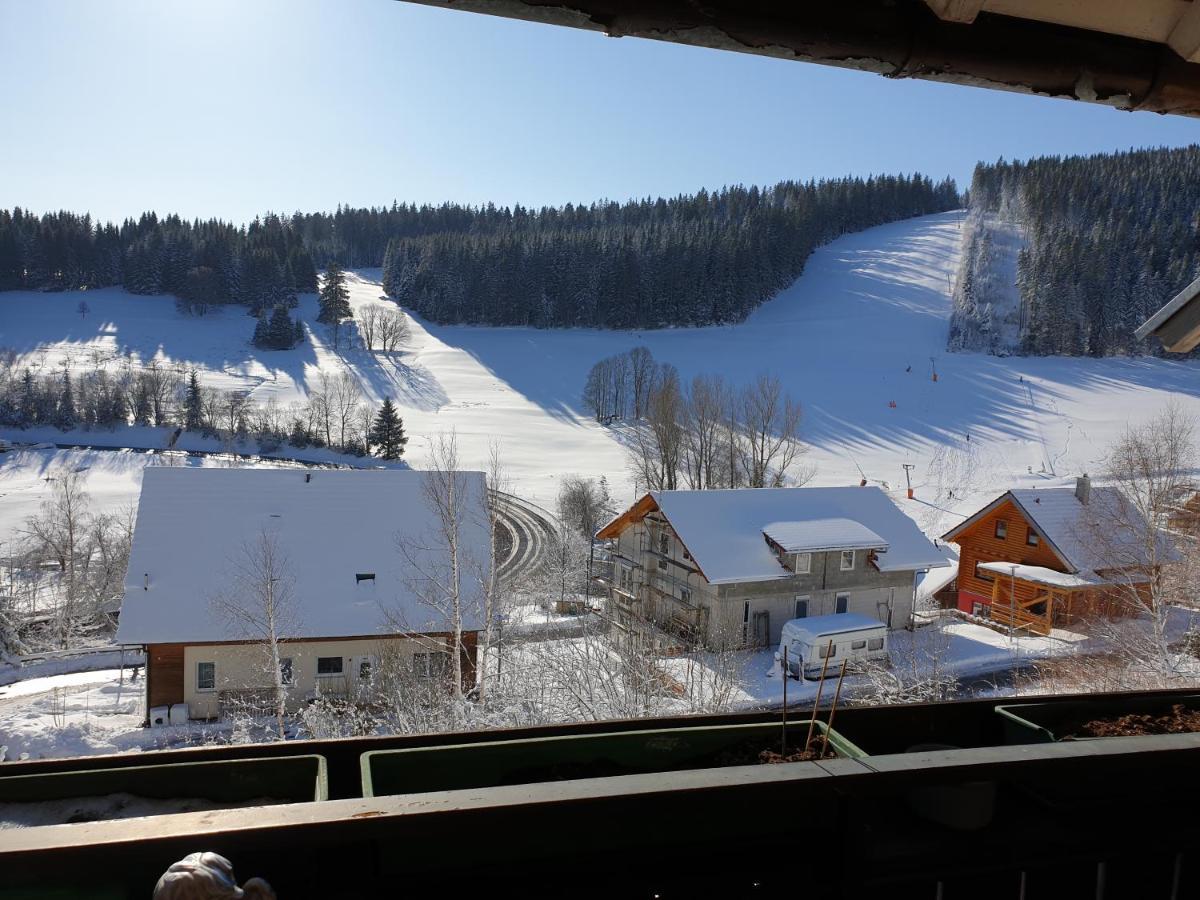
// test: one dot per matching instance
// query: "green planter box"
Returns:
(246, 782)
(1045, 723)
(532, 760)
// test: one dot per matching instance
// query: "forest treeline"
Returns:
(1108, 239)
(689, 260)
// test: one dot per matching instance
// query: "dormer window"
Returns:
(803, 563)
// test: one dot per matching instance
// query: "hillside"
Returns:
(1068, 256)
(854, 333)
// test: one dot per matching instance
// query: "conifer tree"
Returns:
(193, 404)
(334, 297)
(65, 416)
(387, 432)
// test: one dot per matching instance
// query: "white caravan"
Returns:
(841, 636)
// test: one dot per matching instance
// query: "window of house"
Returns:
(827, 651)
(285, 669)
(662, 564)
(745, 612)
(364, 670)
(803, 563)
(847, 560)
(329, 665)
(429, 665)
(841, 603)
(1001, 529)
(1031, 538)
(875, 644)
(664, 544)
(858, 645)
(206, 676)
(802, 607)
(983, 574)
(685, 595)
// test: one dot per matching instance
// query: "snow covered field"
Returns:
(864, 326)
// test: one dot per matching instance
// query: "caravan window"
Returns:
(828, 650)
(858, 645)
(875, 644)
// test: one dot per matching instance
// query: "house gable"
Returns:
(978, 543)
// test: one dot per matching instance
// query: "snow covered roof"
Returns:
(333, 525)
(1084, 536)
(1040, 575)
(835, 623)
(723, 530)
(824, 534)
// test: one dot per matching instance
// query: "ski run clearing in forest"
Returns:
(864, 328)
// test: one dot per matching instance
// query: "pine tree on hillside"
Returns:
(334, 297)
(193, 404)
(387, 432)
(65, 416)
(279, 332)
(29, 406)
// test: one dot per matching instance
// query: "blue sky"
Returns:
(230, 108)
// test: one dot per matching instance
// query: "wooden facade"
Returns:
(979, 543)
(164, 674)
(1005, 534)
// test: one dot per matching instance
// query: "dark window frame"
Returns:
(212, 679)
(329, 673)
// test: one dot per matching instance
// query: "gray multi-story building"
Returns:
(728, 568)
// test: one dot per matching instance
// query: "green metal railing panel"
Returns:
(291, 779)
(1046, 722)
(525, 761)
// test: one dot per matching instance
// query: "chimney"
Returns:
(1083, 488)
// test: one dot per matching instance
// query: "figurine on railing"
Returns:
(208, 876)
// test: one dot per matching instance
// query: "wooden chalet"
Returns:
(1027, 560)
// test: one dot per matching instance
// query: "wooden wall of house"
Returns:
(980, 544)
(164, 674)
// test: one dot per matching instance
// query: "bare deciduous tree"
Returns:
(259, 604)
(392, 328)
(770, 420)
(445, 576)
(1126, 531)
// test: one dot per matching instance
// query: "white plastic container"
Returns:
(179, 714)
(159, 716)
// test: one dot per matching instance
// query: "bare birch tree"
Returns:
(259, 604)
(1126, 532)
(444, 574)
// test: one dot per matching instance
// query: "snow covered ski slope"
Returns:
(856, 339)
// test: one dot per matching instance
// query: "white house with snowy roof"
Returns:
(729, 567)
(353, 596)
